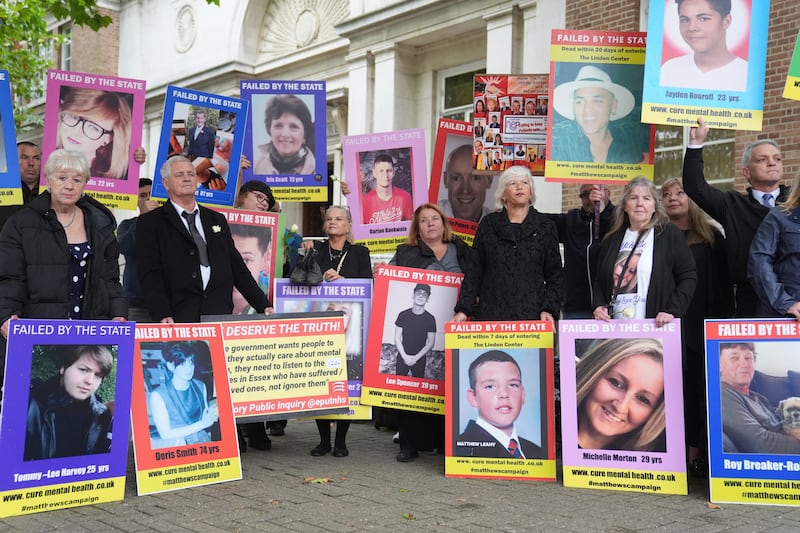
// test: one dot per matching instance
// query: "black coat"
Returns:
(516, 277)
(672, 280)
(169, 267)
(35, 264)
(356, 263)
(421, 256)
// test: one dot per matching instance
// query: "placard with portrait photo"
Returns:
(622, 405)
(706, 59)
(464, 195)
(208, 129)
(387, 174)
(65, 374)
(404, 365)
(102, 117)
(595, 127)
(500, 420)
(753, 392)
(10, 191)
(286, 138)
(184, 433)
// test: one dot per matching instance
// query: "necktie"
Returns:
(198, 239)
(767, 200)
(197, 132)
(513, 449)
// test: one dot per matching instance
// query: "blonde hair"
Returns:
(794, 196)
(348, 216)
(110, 161)
(599, 360)
(700, 231)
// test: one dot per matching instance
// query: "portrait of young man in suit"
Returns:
(200, 139)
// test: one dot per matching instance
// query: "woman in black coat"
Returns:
(645, 267)
(338, 258)
(518, 272)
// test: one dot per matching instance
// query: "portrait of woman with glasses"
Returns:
(97, 124)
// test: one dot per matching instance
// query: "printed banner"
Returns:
(510, 122)
(285, 365)
(753, 392)
(792, 88)
(184, 433)
(596, 93)
(208, 129)
(500, 417)
(60, 375)
(622, 406)
(463, 194)
(703, 63)
(258, 236)
(404, 365)
(286, 138)
(387, 173)
(102, 117)
(353, 299)
(10, 191)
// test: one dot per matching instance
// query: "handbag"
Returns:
(307, 271)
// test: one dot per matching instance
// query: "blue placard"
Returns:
(10, 191)
(218, 168)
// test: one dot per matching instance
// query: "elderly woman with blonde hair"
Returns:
(518, 274)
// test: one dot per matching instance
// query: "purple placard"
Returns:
(80, 107)
(382, 224)
(41, 352)
(656, 463)
(356, 294)
(296, 166)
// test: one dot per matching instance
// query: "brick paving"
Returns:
(370, 491)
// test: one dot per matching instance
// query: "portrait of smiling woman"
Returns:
(98, 125)
(620, 396)
(290, 128)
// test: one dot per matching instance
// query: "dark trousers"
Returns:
(417, 369)
(324, 428)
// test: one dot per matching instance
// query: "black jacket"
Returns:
(517, 272)
(46, 408)
(580, 253)
(35, 264)
(421, 256)
(740, 216)
(169, 267)
(672, 280)
(356, 264)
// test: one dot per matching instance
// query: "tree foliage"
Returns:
(25, 43)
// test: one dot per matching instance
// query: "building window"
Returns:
(63, 59)
(456, 91)
(718, 155)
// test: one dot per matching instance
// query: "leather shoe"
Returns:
(320, 450)
(260, 442)
(340, 452)
(406, 456)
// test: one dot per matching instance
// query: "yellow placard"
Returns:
(113, 200)
(190, 475)
(476, 467)
(597, 54)
(300, 194)
(613, 172)
(763, 491)
(11, 196)
(62, 496)
(383, 245)
(624, 479)
(424, 403)
(681, 115)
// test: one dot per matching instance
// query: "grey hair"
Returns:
(747, 155)
(512, 173)
(166, 168)
(63, 159)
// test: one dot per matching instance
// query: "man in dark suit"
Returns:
(200, 140)
(496, 390)
(185, 273)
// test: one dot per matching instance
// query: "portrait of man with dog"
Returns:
(750, 423)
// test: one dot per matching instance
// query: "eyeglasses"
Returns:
(92, 130)
(260, 197)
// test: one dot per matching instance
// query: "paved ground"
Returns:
(370, 491)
